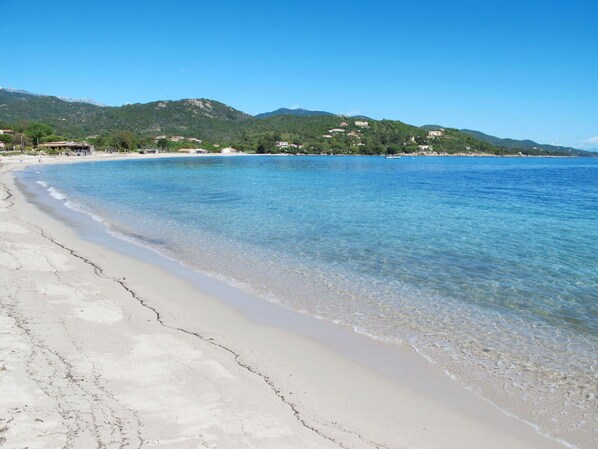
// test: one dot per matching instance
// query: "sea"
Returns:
(486, 266)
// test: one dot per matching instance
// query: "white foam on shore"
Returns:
(55, 193)
(67, 202)
(80, 208)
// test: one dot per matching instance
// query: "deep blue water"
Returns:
(482, 263)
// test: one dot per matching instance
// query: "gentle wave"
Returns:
(73, 205)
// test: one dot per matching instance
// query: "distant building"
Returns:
(353, 134)
(362, 124)
(282, 144)
(174, 138)
(343, 124)
(328, 136)
(192, 150)
(6, 131)
(336, 130)
(436, 133)
(424, 147)
(72, 148)
(229, 150)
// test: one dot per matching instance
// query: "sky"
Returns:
(510, 68)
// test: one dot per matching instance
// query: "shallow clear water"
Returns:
(488, 266)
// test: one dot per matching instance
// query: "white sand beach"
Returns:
(100, 349)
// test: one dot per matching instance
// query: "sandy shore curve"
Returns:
(100, 349)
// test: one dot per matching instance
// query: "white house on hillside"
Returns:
(436, 133)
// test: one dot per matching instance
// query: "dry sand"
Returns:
(98, 349)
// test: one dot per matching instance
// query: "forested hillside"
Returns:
(183, 123)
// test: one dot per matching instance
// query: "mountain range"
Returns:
(191, 117)
(293, 111)
(216, 122)
(510, 143)
(67, 99)
(493, 140)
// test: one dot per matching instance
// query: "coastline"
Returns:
(103, 156)
(204, 372)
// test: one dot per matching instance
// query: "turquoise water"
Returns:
(488, 266)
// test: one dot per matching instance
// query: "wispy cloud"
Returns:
(295, 106)
(591, 142)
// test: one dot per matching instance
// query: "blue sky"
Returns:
(521, 69)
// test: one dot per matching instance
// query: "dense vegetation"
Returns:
(527, 145)
(193, 123)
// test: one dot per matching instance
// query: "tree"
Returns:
(162, 143)
(124, 140)
(394, 149)
(266, 144)
(51, 138)
(36, 131)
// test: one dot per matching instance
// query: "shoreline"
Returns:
(311, 402)
(101, 155)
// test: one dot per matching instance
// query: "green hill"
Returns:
(287, 111)
(521, 144)
(18, 106)
(296, 131)
(191, 117)
(517, 145)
